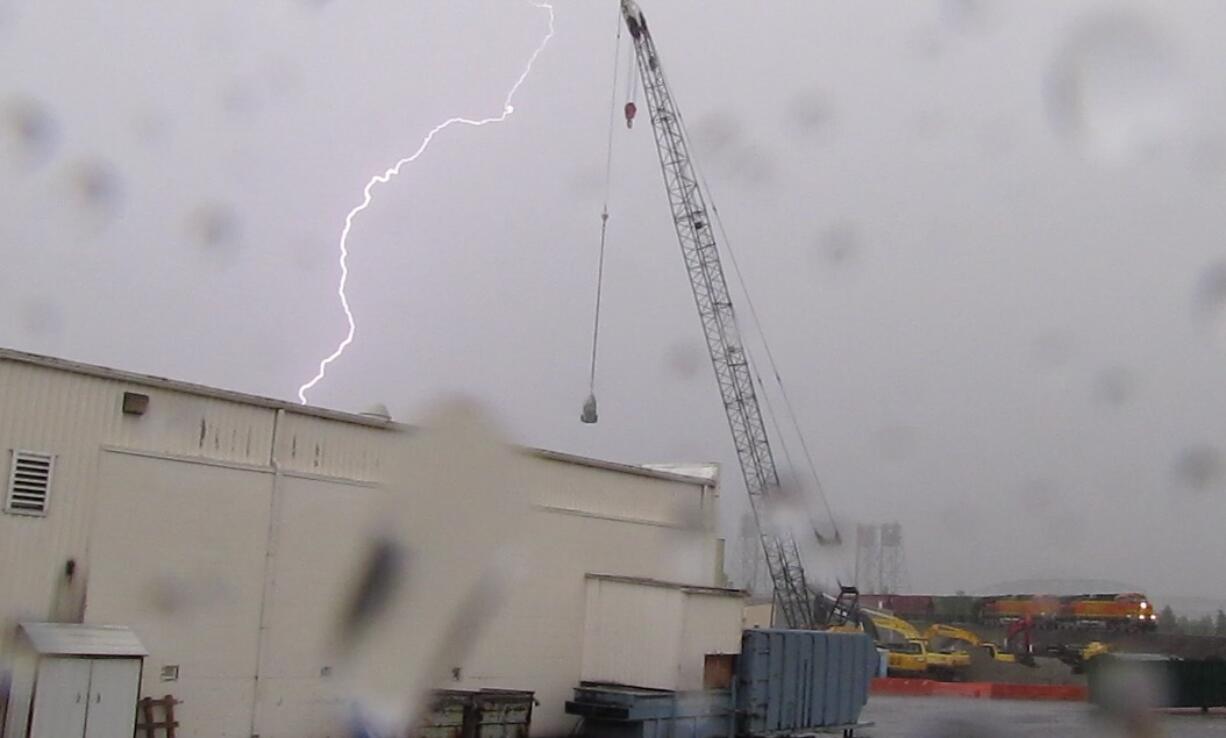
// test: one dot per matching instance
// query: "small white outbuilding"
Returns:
(74, 681)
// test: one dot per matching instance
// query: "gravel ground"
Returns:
(934, 717)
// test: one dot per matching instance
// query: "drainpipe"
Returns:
(270, 547)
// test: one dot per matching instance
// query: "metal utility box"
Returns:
(485, 713)
(75, 681)
(791, 681)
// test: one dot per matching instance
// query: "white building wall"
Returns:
(648, 633)
(632, 634)
(221, 526)
(711, 624)
(178, 556)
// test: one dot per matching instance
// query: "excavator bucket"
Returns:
(589, 410)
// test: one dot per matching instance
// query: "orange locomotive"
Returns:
(1130, 610)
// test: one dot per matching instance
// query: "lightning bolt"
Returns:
(507, 110)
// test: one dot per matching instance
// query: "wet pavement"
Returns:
(935, 717)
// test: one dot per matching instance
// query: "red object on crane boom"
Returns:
(631, 109)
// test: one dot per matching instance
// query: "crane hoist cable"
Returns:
(589, 414)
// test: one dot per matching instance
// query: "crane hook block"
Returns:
(589, 410)
(631, 109)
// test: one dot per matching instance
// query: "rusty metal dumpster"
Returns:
(485, 713)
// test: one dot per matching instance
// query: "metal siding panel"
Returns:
(311, 445)
(848, 686)
(74, 415)
(804, 676)
(834, 657)
(791, 676)
(774, 680)
(817, 687)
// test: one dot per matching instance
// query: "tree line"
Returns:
(1169, 622)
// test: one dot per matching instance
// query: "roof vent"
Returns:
(378, 411)
(29, 483)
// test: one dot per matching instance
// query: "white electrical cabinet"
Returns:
(75, 681)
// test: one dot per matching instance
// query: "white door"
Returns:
(60, 696)
(113, 686)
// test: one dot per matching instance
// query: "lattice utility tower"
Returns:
(867, 555)
(891, 564)
(880, 565)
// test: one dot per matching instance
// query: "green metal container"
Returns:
(1170, 682)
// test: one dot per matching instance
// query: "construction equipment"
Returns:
(1079, 657)
(910, 653)
(938, 632)
(844, 609)
(945, 664)
(694, 225)
(1022, 649)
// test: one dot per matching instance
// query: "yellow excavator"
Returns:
(950, 634)
(909, 651)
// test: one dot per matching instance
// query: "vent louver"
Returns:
(29, 483)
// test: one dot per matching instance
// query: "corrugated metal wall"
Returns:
(75, 416)
(586, 517)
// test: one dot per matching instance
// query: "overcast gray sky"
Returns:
(981, 237)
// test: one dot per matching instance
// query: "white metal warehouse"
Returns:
(121, 487)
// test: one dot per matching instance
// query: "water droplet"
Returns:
(685, 358)
(28, 133)
(717, 134)
(1114, 89)
(1209, 305)
(216, 228)
(839, 246)
(963, 15)
(808, 114)
(95, 191)
(753, 165)
(374, 586)
(1114, 386)
(1200, 468)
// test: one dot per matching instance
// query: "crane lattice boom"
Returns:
(732, 371)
